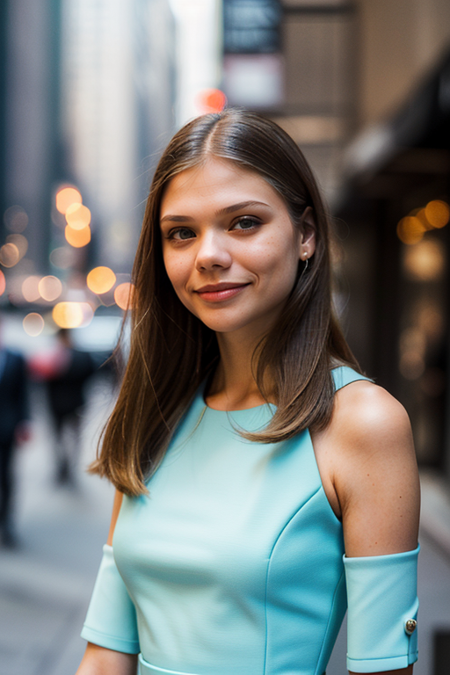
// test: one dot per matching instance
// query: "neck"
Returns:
(234, 386)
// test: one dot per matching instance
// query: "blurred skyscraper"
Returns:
(118, 109)
(30, 153)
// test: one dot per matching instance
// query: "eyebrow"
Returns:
(220, 212)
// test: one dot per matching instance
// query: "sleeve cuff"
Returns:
(109, 641)
(382, 612)
(111, 620)
(380, 665)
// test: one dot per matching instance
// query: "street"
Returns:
(45, 585)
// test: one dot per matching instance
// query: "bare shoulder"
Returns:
(368, 414)
(373, 469)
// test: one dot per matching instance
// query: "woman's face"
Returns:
(229, 246)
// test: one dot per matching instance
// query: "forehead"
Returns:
(217, 180)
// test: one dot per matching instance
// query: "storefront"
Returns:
(394, 240)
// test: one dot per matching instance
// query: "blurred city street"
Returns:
(45, 584)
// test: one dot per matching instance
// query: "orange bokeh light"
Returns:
(72, 314)
(67, 196)
(77, 238)
(100, 280)
(2, 283)
(50, 288)
(211, 100)
(410, 230)
(437, 213)
(9, 255)
(78, 216)
(123, 295)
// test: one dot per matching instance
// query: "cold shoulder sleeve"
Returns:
(382, 611)
(111, 617)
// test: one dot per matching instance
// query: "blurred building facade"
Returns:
(392, 206)
(295, 60)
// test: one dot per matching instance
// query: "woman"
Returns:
(248, 452)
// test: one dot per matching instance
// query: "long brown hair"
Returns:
(172, 352)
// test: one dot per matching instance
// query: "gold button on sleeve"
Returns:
(410, 626)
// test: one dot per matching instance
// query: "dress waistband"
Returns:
(146, 668)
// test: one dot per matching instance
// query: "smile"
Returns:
(220, 292)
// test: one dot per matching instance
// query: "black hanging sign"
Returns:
(251, 26)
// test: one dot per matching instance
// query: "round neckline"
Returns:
(240, 410)
(266, 406)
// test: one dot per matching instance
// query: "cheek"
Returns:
(175, 268)
(277, 260)
(179, 270)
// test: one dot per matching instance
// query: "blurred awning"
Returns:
(403, 151)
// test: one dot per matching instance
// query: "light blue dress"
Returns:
(234, 564)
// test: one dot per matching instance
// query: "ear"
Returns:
(307, 241)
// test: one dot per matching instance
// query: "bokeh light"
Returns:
(430, 321)
(78, 216)
(77, 238)
(412, 350)
(123, 295)
(9, 255)
(421, 215)
(211, 100)
(33, 324)
(425, 261)
(100, 280)
(72, 314)
(410, 230)
(15, 219)
(30, 288)
(20, 241)
(2, 283)
(437, 213)
(67, 196)
(50, 288)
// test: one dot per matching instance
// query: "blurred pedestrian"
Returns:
(65, 371)
(66, 398)
(14, 429)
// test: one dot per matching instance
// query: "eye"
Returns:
(181, 234)
(246, 223)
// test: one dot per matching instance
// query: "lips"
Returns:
(221, 291)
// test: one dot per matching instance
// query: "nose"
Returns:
(212, 252)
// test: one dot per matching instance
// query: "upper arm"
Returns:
(374, 472)
(118, 497)
(100, 661)
(371, 463)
